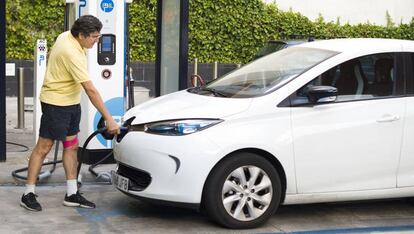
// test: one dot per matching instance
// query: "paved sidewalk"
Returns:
(17, 156)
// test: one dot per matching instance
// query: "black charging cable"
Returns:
(83, 150)
(107, 136)
(43, 174)
(25, 148)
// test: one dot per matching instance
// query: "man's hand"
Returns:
(112, 127)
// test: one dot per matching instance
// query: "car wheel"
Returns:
(242, 191)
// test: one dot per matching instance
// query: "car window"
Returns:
(409, 70)
(270, 47)
(367, 77)
(269, 73)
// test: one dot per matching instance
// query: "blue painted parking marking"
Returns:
(353, 230)
(96, 215)
(102, 214)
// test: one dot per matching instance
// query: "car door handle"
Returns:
(388, 118)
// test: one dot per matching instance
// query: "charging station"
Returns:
(108, 61)
(107, 66)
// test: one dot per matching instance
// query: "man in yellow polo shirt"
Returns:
(66, 75)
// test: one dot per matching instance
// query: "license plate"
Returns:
(119, 181)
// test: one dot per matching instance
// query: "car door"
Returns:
(406, 168)
(354, 142)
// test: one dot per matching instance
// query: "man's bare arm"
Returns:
(96, 99)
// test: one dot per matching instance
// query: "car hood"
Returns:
(183, 105)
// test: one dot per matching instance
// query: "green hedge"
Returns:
(29, 20)
(228, 31)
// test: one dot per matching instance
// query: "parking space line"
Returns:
(355, 230)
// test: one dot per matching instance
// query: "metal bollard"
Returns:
(195, 70)
(195, 66)
(215, 68)
(20, 99)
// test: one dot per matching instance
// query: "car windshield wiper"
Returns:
(214, 91)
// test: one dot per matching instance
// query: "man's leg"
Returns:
(70, 162)
(70, 157)
(41, 149)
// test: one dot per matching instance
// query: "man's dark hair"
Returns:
(86, 24)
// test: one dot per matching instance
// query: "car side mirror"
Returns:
(321, 94)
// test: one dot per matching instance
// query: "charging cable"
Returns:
(43, 174)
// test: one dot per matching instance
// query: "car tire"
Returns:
(229, 194)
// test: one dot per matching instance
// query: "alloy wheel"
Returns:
(247, 193)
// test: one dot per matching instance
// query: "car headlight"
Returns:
(180, 127)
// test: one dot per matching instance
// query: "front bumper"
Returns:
(166, 168)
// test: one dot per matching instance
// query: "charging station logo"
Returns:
(107, 5)
(42, 48)
(82, 4)
(41, 59)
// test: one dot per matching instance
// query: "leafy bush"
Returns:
(228, 31)
(29, 20)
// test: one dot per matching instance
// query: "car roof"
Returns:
(287, 42)
(361, 44)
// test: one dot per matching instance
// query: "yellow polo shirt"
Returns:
(66, 70)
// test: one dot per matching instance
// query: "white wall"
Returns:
(351, 11)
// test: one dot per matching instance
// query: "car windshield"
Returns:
(268, 73)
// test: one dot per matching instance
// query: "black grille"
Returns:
(138, 179)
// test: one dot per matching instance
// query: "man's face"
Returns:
(90, 40)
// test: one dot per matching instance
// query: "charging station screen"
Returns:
(106, 44)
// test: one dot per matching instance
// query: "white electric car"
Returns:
(323, 121)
